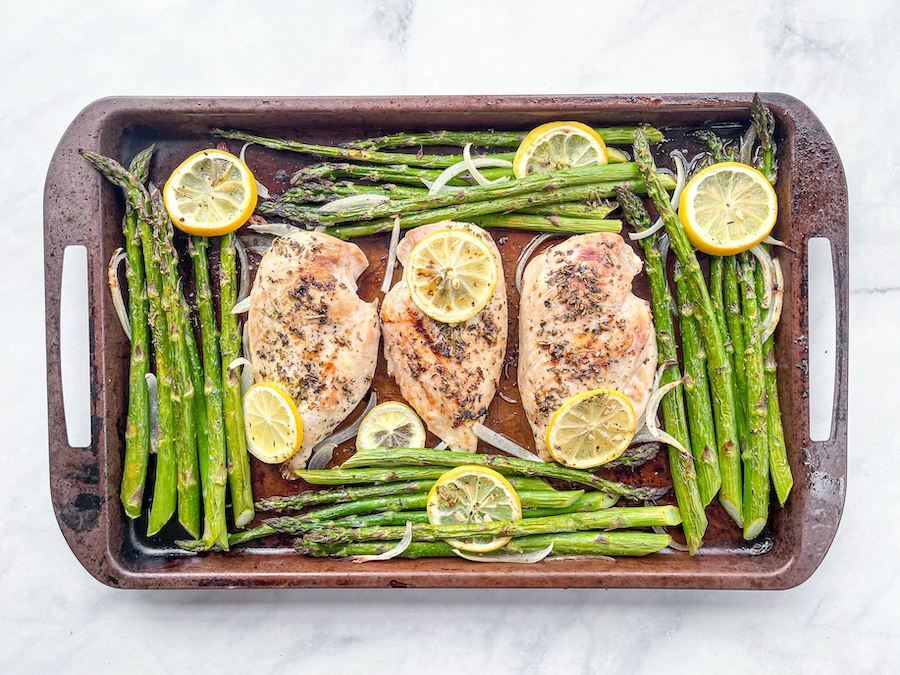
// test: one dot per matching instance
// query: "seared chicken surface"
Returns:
(312, 333)
(581, 328)
(447, 373)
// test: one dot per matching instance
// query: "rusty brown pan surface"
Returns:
(81, 208)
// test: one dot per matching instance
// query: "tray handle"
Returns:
(72, 228)
(818, 202)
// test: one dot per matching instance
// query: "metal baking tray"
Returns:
(80, 208)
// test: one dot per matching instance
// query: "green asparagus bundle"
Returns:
(684, 473)
(720, 372)
(505, 465)
(621, 544)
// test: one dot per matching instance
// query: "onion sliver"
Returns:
(112, 273)
(393, 552)
(772, 241)
(153, 408)
(338, 437)
(276, 229)
(674, 545)
(354, 201)
(773, 316)
(257, 244)
(452, 172)
(501, 442)
(261, 189)
(321, 457)
(521, 558)
(507, 398)
(680, 181)
(441, 446)
(747, 142)
(248, 375)
(244, 285)
(242, 306)
(765, 261)
(526, 254)
(473, 169)
(392, 256)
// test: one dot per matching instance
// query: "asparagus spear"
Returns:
(590, 501)
(397, 174)
(336, 152)
(215, 481)
(779, 467)
(717, 295)
(720, 373)
(585, 175)
(389, 475)
(734, 319)
(614, 518)
(186, 446)
(505, 465)
(575, 210)
(756, 452)
(696, 395)
(230, 345)
(590, 192)
(635, 456)
(137, 423)
(487, 138)
(368, 520)
(534, 223)
(682, 465)
(328, 192)
(764, 122)
(165, 484)
(341, 495)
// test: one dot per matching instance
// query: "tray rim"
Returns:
(86, 523)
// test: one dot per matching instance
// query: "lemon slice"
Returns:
(591, 428)
(451, 275)
(473, 494)
(211, 193)
(390, 425)
(728, 208)
(272, 423)
(558, 145)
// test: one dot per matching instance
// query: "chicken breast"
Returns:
(447, 373)
(311, 332)
(581, 328)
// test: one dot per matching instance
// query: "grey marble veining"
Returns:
(840, 58)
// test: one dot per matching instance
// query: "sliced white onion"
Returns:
(112, 274)
(392, 256)
(680, 181)
(501, 442)
(773, 316)
(453, 171)
(393, 552)
(765, 262)
(323, 451)
(244, 285)
(247, 368)
(153, 411)
(665, 244)
(506, 398)
(473, 170)
(441, 446)
(772, 241)
(248, 375)
(354, 201)
(747, 142)
(261, 189)
(674, 545)
(242, 306)
(276, 229)
(238, 362)
(522, 558)
(321, 457)
(257, 244)
(653, 405)
(526, 254)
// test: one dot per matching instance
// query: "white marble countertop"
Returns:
(840, 59)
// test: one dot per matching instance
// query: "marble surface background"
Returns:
(842, 59)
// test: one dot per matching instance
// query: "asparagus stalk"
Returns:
(585, 175)
(614, 518)
(696, 395)
(230, 345)
(487, 138)
(216, 478)
(717, 295)
(505, 465)
(720, 373)
(398, 174)
(137, 423)
(590, 501)
(756, 452)
(764, 122)
(534, 223)
(351, 154)
(779, 467)
(635, 456)
(328, 192)
(575, 210)
(368, 520)
(735, 323)
(341, 495)
(682, 465)
(186, 446)
(389, 475)
(590, 192)
(165, 484)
